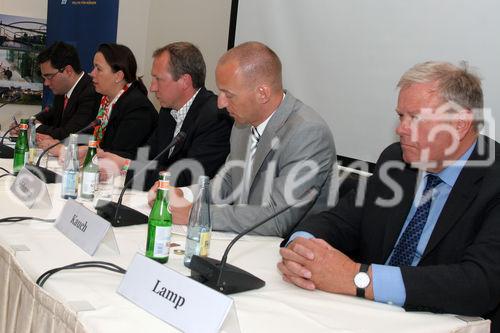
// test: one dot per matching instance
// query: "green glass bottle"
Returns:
(160, 223)
(21, 151)
(90, 172)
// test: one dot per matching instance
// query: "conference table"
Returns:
(86, 301)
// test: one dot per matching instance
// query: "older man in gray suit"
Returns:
(281, 149)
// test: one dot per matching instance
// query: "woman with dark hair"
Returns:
(127, 116)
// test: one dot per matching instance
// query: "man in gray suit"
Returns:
(281, 149)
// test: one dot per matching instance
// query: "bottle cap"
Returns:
(164, 175)
(204, 181)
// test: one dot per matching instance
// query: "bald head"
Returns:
(257, 64)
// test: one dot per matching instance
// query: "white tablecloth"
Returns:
(86, 301)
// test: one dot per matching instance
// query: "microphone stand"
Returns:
(49, 176)
(122, 216)
(46, 175)
(229, 279)
(6, 151)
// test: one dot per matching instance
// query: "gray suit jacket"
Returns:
(295, 138)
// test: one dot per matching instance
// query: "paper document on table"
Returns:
(182, 231)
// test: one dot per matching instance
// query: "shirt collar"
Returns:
(180, 114)
(260, 129)
(68, 94)
(450, 174)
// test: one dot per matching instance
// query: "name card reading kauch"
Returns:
(86, 229)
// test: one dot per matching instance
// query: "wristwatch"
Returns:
(362, 280)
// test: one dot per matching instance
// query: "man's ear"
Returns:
(187, 80)
(464, 122)
(263, 93)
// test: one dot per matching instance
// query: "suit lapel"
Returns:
(167, 132)
(267, 141)
(123, 99)
(190, 119)
(68, 112)
(396, 217)
(239, 150)
(462, 194)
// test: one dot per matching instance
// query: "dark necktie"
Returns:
(405, 249)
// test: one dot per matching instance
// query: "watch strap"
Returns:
(360, 292)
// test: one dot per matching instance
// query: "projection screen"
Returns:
(344, 57)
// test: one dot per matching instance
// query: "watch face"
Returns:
(362, 280)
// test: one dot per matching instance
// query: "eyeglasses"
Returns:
(50, 76)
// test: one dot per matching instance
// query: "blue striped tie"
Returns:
(405, 249)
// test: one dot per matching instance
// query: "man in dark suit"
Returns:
(178, 80)
(75, 102)
(427, 236)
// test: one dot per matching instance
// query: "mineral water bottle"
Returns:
(32, 141)
(90, 173)
(200, 226)
(71, 167)
(160, 223)
(21, 149)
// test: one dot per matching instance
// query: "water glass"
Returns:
(106, 186)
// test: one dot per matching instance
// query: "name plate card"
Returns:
(175, 298)
(86, 229)
(31, 190)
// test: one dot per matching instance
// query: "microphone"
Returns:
(229, 279)
(6, 151)
(49, 176)
(122, 216)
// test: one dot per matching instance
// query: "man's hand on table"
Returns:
(315, 264)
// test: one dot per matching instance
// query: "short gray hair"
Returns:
(455, 84)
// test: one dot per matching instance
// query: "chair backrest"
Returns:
(350, 179)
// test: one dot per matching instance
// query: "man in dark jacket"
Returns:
(427, 236)
(75, 102)
(178, 80)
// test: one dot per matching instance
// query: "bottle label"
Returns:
(204, 243)
(32, 156)
(89, 182)
(164, 185)
(162, 242)
(23, 127)
(69, 183)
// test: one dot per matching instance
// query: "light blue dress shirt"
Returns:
(388, 285)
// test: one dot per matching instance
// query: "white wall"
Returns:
(203, 23)
(133, 18)
(344, 57)
(145, 25)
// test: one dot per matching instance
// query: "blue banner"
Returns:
(83, 24)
